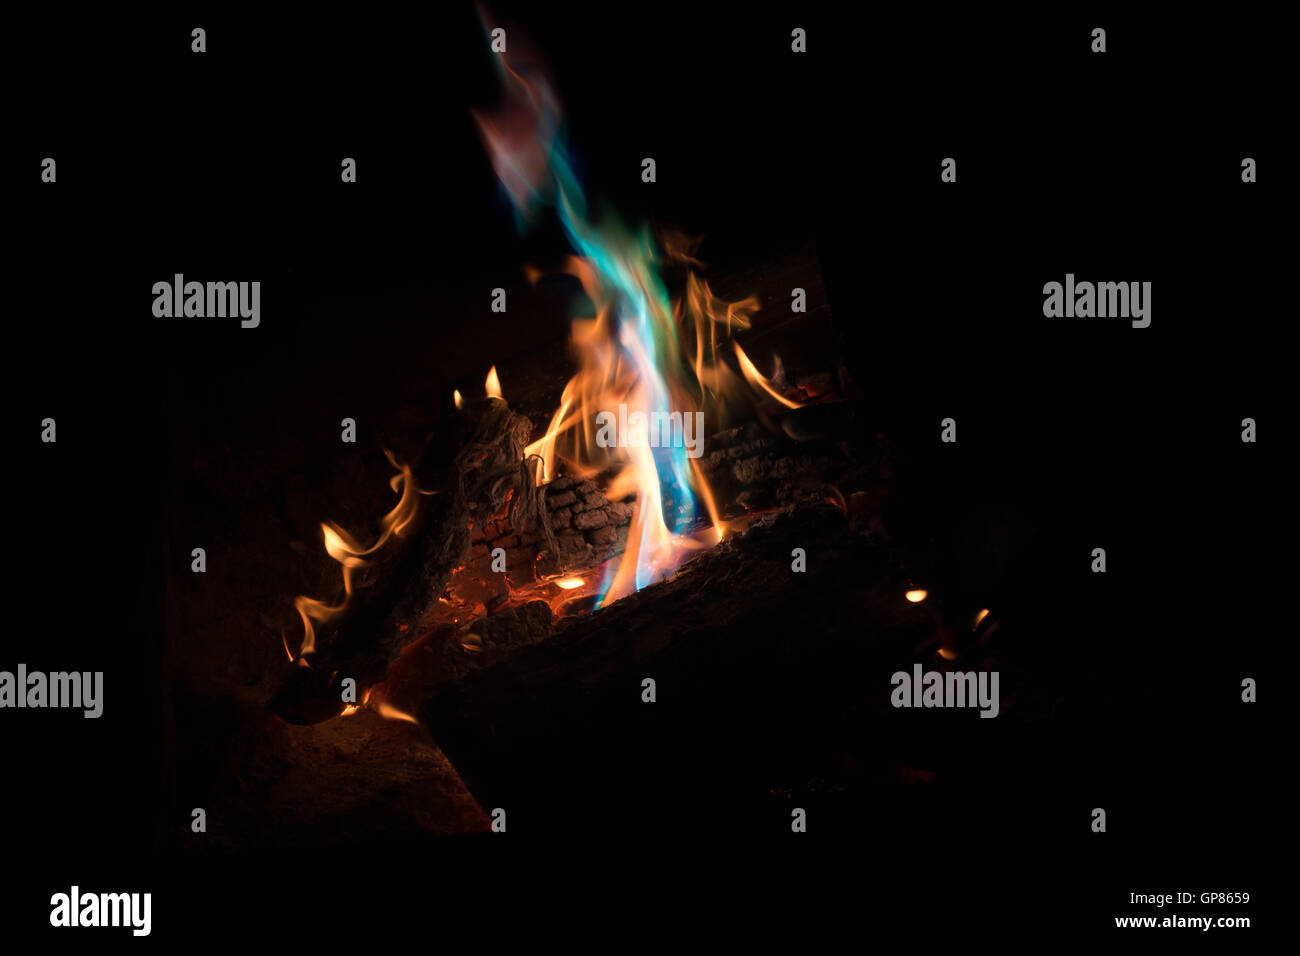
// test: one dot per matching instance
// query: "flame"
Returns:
(757, 379)
(389, 712)
(455, 397)
(917, 596)
(642, 357)
(569, 583)
(493, 384)
(980, 616)
(348, 552)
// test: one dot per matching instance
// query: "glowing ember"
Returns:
(569, 583)
(917, 596)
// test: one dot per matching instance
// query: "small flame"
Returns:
(348, 552)
(455, 397)
(349, 710)
(758, 380)
(389, 712)
(980, 616)
(570, 583)
(917, 596)
(493, 384)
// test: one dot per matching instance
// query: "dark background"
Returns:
(1124, 166)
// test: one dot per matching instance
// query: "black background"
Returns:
(1123, 166)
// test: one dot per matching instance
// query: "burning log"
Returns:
(476, 471)
(811, 453)
(743, 680)
(565, 525)
(636, 355)
(586, 528)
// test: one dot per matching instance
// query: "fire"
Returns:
(491, 387)
(389, 712)
(348, 552)
(642, 356)
(917, 596)
(757, 379)
(376, 700)
(569, 583)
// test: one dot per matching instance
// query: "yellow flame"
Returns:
(980, 616)
(455, 397)
(570, 583)
(758, 380)
(493, 384)
(544, 447)
(917, 596)
(348, 552)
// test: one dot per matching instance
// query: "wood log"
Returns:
(750, 660)
(820, 452)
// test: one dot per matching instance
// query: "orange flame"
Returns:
(758, 380)
(344, 549)
(389, 712)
